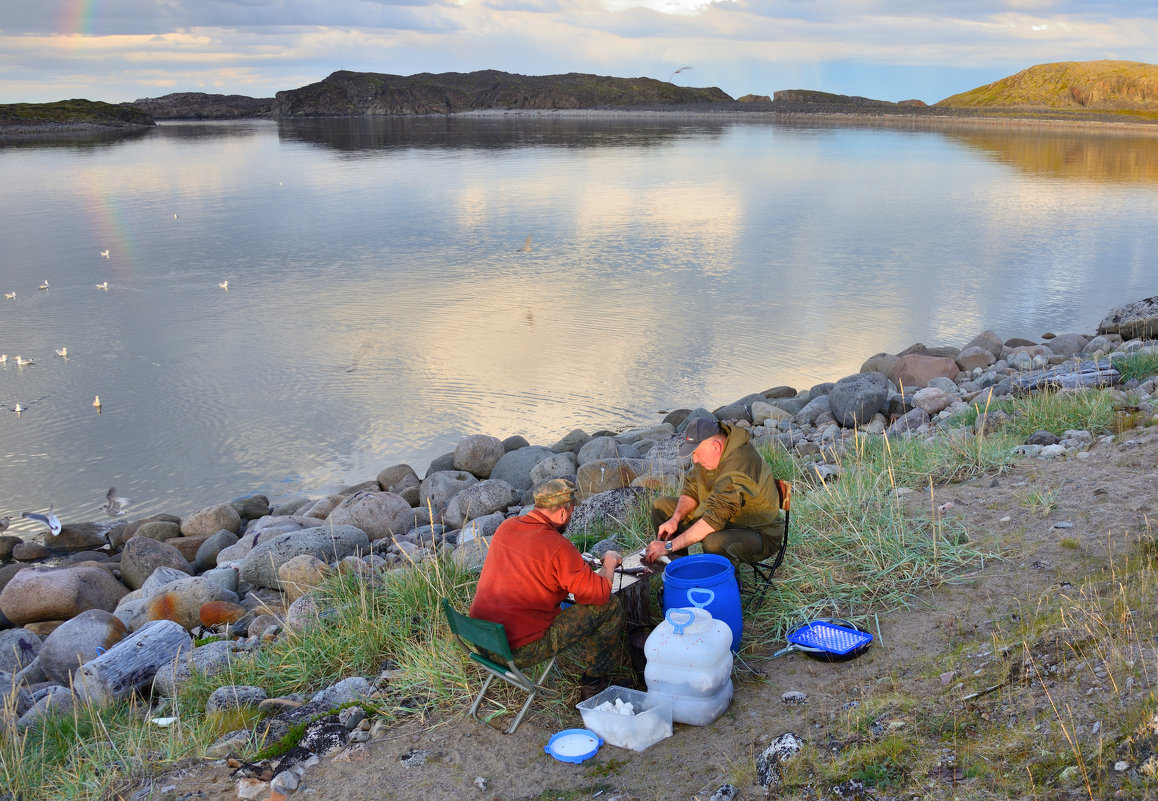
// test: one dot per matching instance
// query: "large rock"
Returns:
(932, 400)
(142, 556)
(181, 602)
(129, 530)
(380, 514)
(608, 474)
(480, 527)
(438, 488)
(1137, 320)
(604, 510)
(883, 363)
(477, 454)
(251, 507)
(740, 409)
(210, 659)
(18, 647)
(328, 543)
(598, 448)
(1067, 344)
(210, 520)
(160, 530)
(811, 410)
(77, 641)
(560, 465)
(37, 593)
(908, 422)
(83, 536)
(572, 442)
(478, 500)
(973, 356)
(763, 411)
(657, 433)
(916, 370)
(233, 696)
(206, 556)
(300, 575)
(854, 399)
(515, 467)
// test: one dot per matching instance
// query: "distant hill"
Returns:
(811, 97)
(202, 106)
(1069, 85)
(356, 94)
(91, 113)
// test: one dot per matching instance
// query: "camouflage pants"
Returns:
(737, 545)
(599, 628)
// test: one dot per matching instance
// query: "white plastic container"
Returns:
(689, 659)
(650, 723)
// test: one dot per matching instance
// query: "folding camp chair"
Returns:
(762, 572)
(491, 639)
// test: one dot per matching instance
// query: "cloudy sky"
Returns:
(117, 50)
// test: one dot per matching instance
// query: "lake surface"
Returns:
(379, 305)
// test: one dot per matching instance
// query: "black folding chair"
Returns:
(488, 639)
(762, 572)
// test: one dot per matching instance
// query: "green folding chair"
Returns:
(488, 639)
(762, 572)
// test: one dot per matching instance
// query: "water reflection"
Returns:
(1080, 155)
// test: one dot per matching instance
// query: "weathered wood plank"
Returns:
(1086, 374)
(131, 663)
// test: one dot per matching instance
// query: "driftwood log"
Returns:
(131, 663)
(1072, 375)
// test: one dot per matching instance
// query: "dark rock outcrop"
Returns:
(202, 106)
(357, 94)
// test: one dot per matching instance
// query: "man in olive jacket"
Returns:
(728, 501)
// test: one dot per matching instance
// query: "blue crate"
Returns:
(828, 637)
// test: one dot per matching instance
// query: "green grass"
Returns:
(1056, 412)
(1139, 365)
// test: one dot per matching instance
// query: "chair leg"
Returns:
(479, 698)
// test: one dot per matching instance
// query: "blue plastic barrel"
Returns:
(710, 572)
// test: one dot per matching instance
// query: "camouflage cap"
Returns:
(555, 492)
(698, 430)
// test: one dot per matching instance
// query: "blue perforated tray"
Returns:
(829, 637)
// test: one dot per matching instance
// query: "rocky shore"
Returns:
(102, 611)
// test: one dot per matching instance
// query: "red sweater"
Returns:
(530, 567)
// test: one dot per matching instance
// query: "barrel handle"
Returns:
(679, 627)
(698, 605)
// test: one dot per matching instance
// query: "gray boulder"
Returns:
(345, 691)
(141, 556)
(440, 464)
(910, 421)
(974, 356)
(233, 696)
(480, 528)
(84, 536)
(210, 659)
(210, 520)
(572, 442)
(37, 593)
(160, 530)
(657, 433)
(207, 551)
(1067, 344)
(740, 409)
(884, 363)
(181, 602)
(814, 408)
(515, 467)
(477, 454)
(598, 448)
(395, 476)
(77, 641)
(251, 507)
(328, 543)
(608, 474)
(1137, 320)
(478, 500)
(560, 465)
(854, 399)
(380, 514)
(438, 488)
(987, 340)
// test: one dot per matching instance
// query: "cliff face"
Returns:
(1070, 85)
(356, 94)
(201, 106)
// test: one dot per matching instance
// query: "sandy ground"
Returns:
(1109, 498)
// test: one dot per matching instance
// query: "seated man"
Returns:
(530, 568)
(728, 500)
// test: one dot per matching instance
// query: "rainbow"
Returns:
(77, 16)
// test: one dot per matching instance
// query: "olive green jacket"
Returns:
(740, 492)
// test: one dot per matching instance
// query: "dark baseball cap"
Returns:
(699, 429)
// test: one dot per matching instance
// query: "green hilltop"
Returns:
(1115, 86)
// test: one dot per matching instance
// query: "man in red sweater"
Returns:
(529, 570)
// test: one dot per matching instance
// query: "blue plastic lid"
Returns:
(573, 745)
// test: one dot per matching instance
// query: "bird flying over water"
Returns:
(103, 285)
(49, 520)
(116, 505)
(105, 253)
(44, 285)
(224, 285)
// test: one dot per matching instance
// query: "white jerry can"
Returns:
(689, 659)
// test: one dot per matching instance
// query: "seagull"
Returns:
(526, 248)
(10, 296)
(224, 285)
(62, 352)
(21, 361)
(44, 285)
(105, 253)
(18, 408)
(116, 505)
(97, 402)
(103, 285)
(174, 215)
(49, 520)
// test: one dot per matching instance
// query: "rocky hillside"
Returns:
(808, 97)
(1070, 85)
(71, 112)
(347, 94)
(202, 106)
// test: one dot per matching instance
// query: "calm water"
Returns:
(379, 308)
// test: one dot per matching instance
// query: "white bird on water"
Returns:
(3, 358)
(224, 285)
(21, 361)
(116, 505)
(49, 520)
(103, 285)
(10, 296)
(105, 253)
(62, 352)
(97, 402)
(44, 285)
(18, 409)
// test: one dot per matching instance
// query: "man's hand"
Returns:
(655, 549)
(667, 528)
(613, 559)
